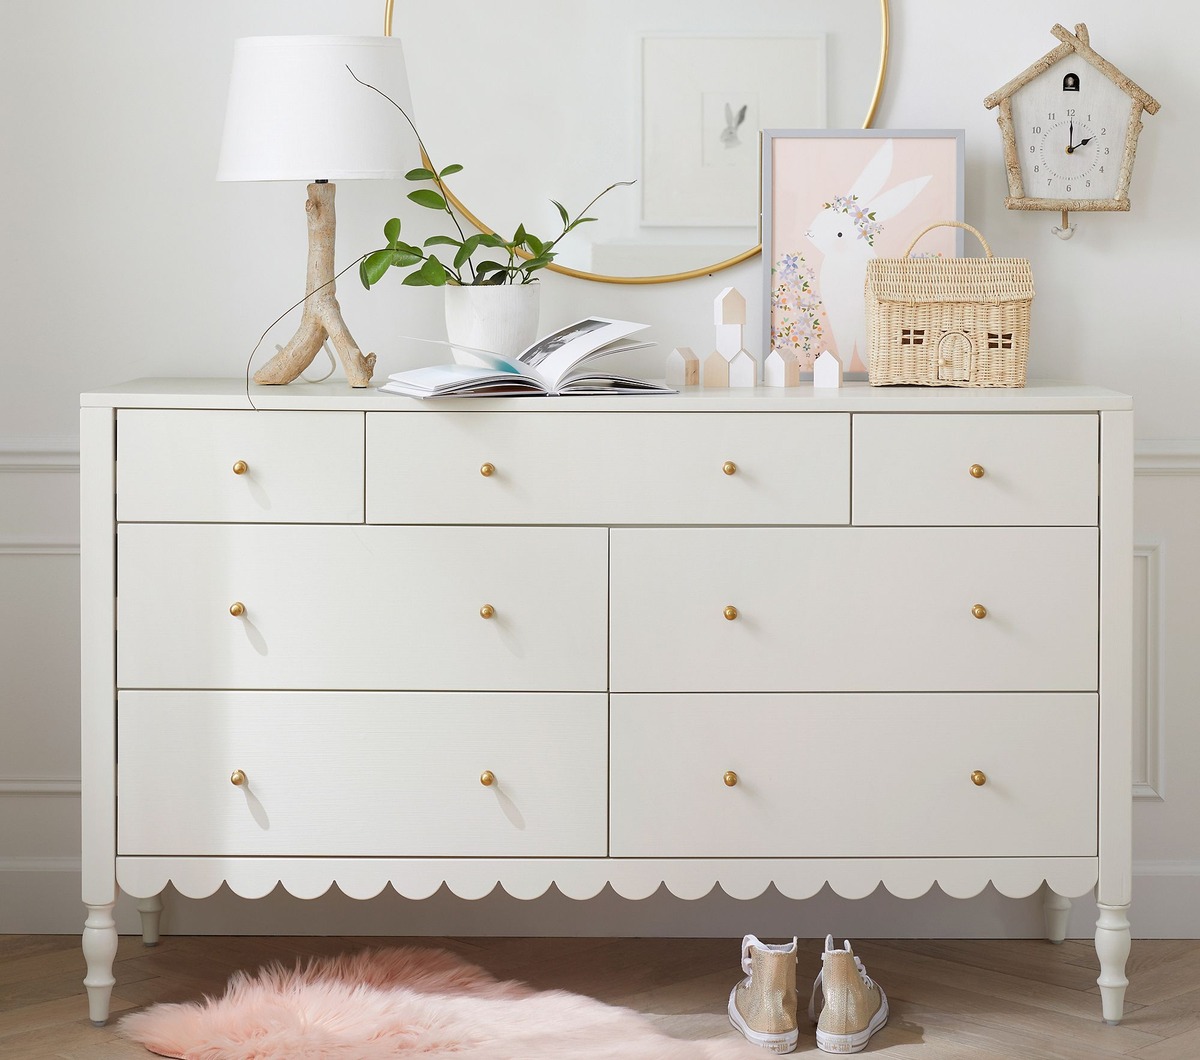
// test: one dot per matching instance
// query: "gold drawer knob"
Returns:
(487, 470)
(237, 778)
(729, 467)
(979, 611)
(237, 609)
(979, 778)
(976, 470)
(487, 778)
(730, 778)
(730, 612)
(241, 467)
(487, 611)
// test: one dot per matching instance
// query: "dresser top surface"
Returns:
(336, 395)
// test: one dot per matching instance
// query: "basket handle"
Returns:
(949, 224)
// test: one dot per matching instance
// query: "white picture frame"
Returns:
(705, 100)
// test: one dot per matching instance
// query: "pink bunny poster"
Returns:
(834, 199)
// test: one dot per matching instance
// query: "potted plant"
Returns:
(490, 282)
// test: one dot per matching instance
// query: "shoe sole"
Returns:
(775, 1043)
(854, 1043)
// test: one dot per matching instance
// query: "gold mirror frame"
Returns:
(691, 274)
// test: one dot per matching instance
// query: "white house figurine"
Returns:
(740, 368)
(683, 367)
(781, 368)
(827, 370)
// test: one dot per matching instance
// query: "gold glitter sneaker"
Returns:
(763, 1005)
(854, 1005)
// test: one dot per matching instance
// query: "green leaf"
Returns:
(434, 272)
(402, 259)
(454, 168)
(466, 250)
(443, 241)
(485, 267)
(490, 239)
(539, 262)
(535, 245)
(415, 279)
(391, 230)
(374, 267)
(520, 235)
(428, 198)
(494, 280)
(562, 212)
(418, 174)
(579, 221)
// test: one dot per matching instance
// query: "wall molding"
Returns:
(23, 787)
(1166, 458)
(1149, 772)
(40, 461)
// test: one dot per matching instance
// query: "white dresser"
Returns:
(736, 637)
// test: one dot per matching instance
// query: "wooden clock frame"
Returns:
(1140, 100)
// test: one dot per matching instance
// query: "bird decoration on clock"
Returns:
(1070, 124)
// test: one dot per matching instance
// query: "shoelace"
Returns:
(819, 986)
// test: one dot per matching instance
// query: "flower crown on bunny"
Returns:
(862, 218)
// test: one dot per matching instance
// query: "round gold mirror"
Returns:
(541, 101)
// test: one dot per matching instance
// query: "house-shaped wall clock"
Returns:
(1070, 124)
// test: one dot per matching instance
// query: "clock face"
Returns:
(1070, 124)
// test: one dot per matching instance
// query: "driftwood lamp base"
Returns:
(322, 317)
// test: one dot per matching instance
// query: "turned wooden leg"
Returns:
(1112, 947)
(99, 949)
(1056, 910)
(150, 910)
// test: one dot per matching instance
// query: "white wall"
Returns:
(123, 257)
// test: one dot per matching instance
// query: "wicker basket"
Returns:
(948, 321)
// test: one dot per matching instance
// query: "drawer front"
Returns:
(361, 774)
(178, 465)
(363, 607)
(607, 468)
(854, 776)
(855, 609)
(1033, 470)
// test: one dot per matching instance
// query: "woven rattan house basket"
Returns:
(948, 321)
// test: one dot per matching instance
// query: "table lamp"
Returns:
(295, 112)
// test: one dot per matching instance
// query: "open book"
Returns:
(560, 363)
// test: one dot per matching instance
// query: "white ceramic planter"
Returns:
(498, 318)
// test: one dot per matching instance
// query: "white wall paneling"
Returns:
(140, 91)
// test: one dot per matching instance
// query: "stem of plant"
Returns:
(425, 158)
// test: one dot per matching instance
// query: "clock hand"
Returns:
(1070, 137)
(1082, 143)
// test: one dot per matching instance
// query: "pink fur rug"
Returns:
(404, 1002)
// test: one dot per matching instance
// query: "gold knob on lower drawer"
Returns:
(487, 778)
(487, 470)
(487, 611)
(237, 778)
(240, 467)
(237, 609)
(729, 467)
(730, 778)
(979, 778)
(730, 612)
(976, 470)
(979, 611)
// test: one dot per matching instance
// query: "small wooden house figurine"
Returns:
(683, 367)
(781, 368)
(827, 370)
(731, 364)
(1070, 125)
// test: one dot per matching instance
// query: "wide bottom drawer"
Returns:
(361, 774)
(853, 775)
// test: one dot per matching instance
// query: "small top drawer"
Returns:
(185, 465)
(608, 468)
(939, 469)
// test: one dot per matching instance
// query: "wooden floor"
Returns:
(949, 999)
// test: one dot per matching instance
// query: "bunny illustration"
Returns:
(844, 232)
(729, 136)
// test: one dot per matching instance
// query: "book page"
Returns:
(554, 356)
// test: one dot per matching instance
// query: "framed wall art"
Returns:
(832, 199)
(704, 100)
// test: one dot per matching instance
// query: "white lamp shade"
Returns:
(295, 113)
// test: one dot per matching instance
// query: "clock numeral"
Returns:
(1071, 112)
(1068, 187)
(1037, 169)
(1089, 117)
(1037, 129)
(1049, 181)
(1087, 184)
(1103, 132)
(1101, 169)
(1106, 150)
(1032, 149)
(1050, 116)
